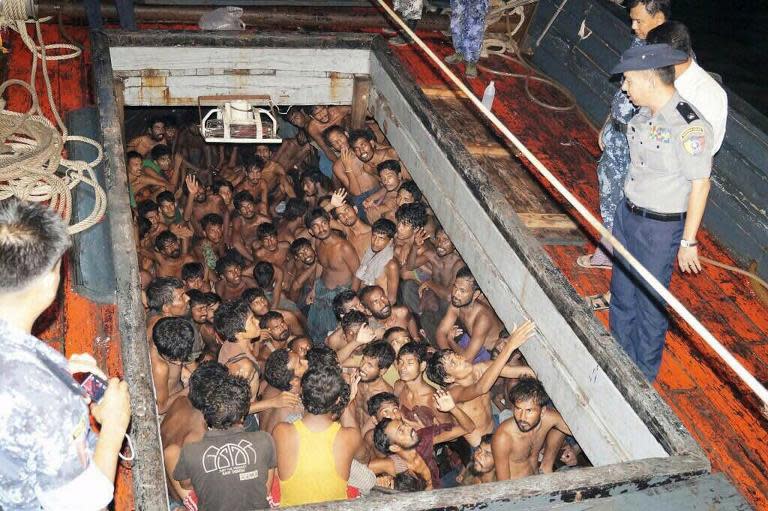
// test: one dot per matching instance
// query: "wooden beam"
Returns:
(442, 92)
(494, 151)
(557, 221)
(361, 89)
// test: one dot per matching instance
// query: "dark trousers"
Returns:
(638, 316)
(124, 12)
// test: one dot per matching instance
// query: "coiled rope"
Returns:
(32, 166)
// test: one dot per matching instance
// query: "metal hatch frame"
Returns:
(404, 112)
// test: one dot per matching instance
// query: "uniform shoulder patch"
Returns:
(694, 140)
(687, 112)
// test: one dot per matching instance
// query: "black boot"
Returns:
(404, 39)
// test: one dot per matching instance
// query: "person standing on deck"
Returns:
(410, 11)
(670, 147)
(467, 30)
(614, 163)
(49, 456)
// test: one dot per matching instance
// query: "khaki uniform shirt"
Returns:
(667, 151)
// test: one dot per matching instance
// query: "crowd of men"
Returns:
(315, 335)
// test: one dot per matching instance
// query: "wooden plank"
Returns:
(495, 150)
(547, 221)
(361, 90)
(442, 92)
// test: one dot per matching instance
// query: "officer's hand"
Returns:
(688, 259)
(114, 409)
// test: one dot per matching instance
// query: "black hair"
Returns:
(276, 370)
(322, 356)
(340, 301)
(250, 294)
(327, 133)
(144, 226)
(385, 227)
(266, 318)
(382, 352)
(204, 380)
(160, 292)
(653, 6)
(376, 401)
(192, 270)
(212, 298)
(159, 151)
(255, 161)
(665, 74)
(413, 213)
(229, 404)
(170, 121)
(323, 390)
(294, 208)
(165, 196)
(211, 219)
(313, 175)
(466, 274)
(298, 244)
(365, 133)
(528, 388)
(314, 214)
(380, 438)
(174, 338)
(154, 120)
(486, 439)
(436, 368)
(394, 330)
(415, 348)
(393, 165)
(163, 239)
(264, 273)
(292, 342)
(146, 206)
(226, 262)
(673, 33)
(264, 230)
(352, 318)
(410, 187)
(229, 319)
(130, 155)
(409, 482)
(196, 297)
(240, 197)
(33, 239)
(219, 183)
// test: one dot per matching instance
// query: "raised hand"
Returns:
(182, 231)
(337, 199)
(455, 332)
(519, 336)
(444, 401)
(365, 335)
(192, 184)
(420, 236)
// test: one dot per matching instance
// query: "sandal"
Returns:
(599, 302)
(585, 261)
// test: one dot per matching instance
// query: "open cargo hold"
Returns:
(627, 431)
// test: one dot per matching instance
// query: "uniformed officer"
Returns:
(670, 147)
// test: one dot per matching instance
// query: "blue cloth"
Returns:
(321, 318)
(613, 166)
(357, 200)
(468, 27)
(326, 165)
(482, 355)
(649, 56)
(638, 316)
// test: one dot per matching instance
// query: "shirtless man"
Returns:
(469, 384)
(150, 211)
(169, 352)
(255, 184)
(291, 225)
(383, 203)
(246, 224)
(378, 265)
(170, 253)
(343, 303)
(239, 330)
(201, 315)
(410, 218)
(211, 246)
(349, 339)
(184, 422)
(345, 213)
(232, 282)
(294, 155)
(165, 298)
(312, 185)
(368, 151)
(226, 190)
(154, 135)
(270, 249)
(324, 117)
(276, 334)
(282, 371)
(519, 440)
(142, 184)
(482, 326)
(200, 203)
(348, 169)
(170, 213)
(301, 272)
(193, 275)
(193, 148)
(337, 263)
(416, 396)
(377, 358)
(384, 314)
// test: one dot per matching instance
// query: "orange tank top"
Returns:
(315, 478)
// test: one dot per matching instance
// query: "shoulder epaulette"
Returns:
(687, 112)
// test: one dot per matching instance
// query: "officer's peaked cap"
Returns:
(651, 56)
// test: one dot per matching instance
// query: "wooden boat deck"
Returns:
(716, 409)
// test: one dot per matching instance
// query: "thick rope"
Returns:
(32, 167)
(748, 378)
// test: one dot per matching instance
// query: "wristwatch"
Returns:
(686, 243)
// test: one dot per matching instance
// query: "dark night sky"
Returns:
(731, 38)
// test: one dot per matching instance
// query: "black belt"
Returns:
(661, 217)
(619, 126)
